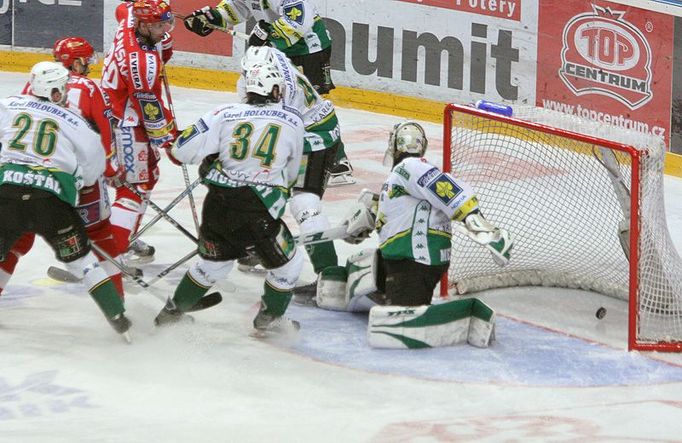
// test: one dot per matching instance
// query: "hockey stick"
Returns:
(185, 174)
(159, 210)
(170, 206)
(232, 32)
(205, 302)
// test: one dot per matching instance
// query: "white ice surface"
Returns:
(558, 375)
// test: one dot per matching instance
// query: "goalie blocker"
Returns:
(360, 286)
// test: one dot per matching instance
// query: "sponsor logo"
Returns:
(39, 395)
(135, 70)
(428, 176)
(54, 2)
(445, 189)
(507, 9)
(429, 59)
(128, 150)
(152, 69)
(605, 54)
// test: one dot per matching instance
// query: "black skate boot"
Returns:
(171, 315)
(121, 324)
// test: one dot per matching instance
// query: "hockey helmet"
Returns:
(69, 49)
(257, 54)
(153, 11)
(405, 138)
(262, 77)
(46, 77)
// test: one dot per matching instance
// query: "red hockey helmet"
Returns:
(67, 50)
(152, 11)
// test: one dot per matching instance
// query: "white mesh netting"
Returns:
(557, 198)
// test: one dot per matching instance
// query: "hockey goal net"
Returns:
(584, 202)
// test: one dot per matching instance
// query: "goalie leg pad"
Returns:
(460, 321)
(361, 286)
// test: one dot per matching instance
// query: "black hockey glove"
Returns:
(202, 21)
(206, 164)
(259, 34)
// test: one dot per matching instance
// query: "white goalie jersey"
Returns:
(416, 206)
(47, 146)
(255, 144)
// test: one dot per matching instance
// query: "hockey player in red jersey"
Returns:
(124, 13)
(86, 99)
(132, 77)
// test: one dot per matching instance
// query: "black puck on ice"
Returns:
(601, 312)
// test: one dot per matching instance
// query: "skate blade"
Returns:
(341, 180)
(137, 261)
(127, 337)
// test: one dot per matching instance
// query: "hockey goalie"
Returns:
(414, 216)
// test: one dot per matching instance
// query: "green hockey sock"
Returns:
(107, 298)
(322, 255)
(340, 152)
(188, 293)
(274, 302)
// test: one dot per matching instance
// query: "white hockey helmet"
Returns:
(262, 77)
(257, 54)
(405, 138)
(46, 77)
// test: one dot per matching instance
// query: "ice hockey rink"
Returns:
(555, 373)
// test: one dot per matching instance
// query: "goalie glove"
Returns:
(498, 241)
(359, 223)
(370, 200)
(202, 21)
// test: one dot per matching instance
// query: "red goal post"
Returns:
(575, 194)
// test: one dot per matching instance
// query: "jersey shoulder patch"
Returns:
(295, 11)
(445, 188)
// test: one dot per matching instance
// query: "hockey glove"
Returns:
(202, 21)
(259, 34)
(206, 164)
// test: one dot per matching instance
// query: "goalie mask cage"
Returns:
(578, 198)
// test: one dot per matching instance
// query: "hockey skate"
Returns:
(171, 315)
(121, 324)
(341, 174)
(139, 253)
(251, 264)
(265, 325)
(304, 295)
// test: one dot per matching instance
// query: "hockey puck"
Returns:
(601, 312)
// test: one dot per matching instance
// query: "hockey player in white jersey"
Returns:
(414, 214)
(321, 147)
(49, 153)
(259, 141)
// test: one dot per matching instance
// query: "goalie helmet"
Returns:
(257, 54)
(46, 77)
(68, 50)
(406, 139)
(261, 78)
(152, 11)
